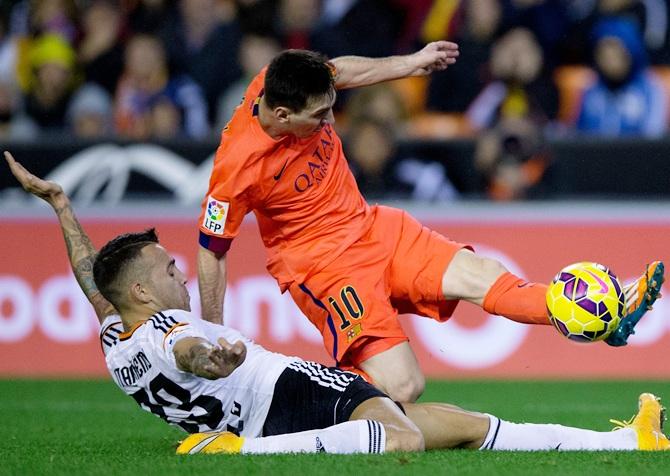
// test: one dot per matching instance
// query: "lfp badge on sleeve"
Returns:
(215, 215)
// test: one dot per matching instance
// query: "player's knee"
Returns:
(407, 389)
(404, 439)
(493, 269)
(470, 276)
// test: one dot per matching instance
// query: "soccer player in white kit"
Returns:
(232, 395)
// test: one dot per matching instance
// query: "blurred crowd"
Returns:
(529, 70)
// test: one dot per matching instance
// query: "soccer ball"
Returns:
(585, 302)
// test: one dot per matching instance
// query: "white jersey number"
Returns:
(161, 385)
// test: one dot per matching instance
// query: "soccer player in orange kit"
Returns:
(349, 266)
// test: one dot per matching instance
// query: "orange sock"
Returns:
(518, 300)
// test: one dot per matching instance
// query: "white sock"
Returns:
(357, 436)
(503, 435)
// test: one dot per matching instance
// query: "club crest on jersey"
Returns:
(215, 215)
(353, 332)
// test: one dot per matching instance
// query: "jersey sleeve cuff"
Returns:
(215, 244)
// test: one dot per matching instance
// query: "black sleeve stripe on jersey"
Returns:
(158, 326)
(168, 319)
(111, 328)
(110, 331)
(162, 322)
(109, 336)
(164, 319)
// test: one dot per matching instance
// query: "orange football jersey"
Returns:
(304, 196)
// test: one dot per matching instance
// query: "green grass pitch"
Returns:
(90, 427)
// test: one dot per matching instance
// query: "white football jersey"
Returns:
(142, 364)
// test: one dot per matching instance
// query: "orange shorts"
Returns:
(396, 267)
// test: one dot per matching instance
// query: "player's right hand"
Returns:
(226, 358)
(44, 189)
(435, 56)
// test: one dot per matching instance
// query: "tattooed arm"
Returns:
(80, 250)
(204, 359)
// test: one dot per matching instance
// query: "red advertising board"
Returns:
(47, 327)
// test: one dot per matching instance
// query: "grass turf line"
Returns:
(90, 427)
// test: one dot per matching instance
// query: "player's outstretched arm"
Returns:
(212, 279)
(356, 71)
(204, 359)
(80, 250)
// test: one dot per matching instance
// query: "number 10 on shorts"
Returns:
(350, 301)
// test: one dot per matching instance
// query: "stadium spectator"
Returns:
(379, 102)
(439, 20)
(7, 47)
(150, 103)
(147, 16)
(90, 113)
(100, 49)
(521, 88)
(370, 148)
(512, 160)
(18, 18)
(454, 90)
(51, 83)
(382, 174)
(204, 45)
(627, 98)
(54, 16)
(547, 19)
(14, 124)
(296, 20)
(412, 14)
(256, 51)
(355, 27)
(374, 117)
(651, 16)
(258, 16)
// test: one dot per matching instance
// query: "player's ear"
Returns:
(282, 114)
(139, 293)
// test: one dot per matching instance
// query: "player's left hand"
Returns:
(44, 189)
(435, 56)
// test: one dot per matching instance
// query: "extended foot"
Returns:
(640, 296)
(648, 424)
(210, 443)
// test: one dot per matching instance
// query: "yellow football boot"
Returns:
(211, 443)
(640, 295)
(648, 424)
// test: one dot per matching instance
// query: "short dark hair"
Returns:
(294, 76)
(112, 262)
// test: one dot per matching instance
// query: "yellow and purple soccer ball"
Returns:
(585, 302)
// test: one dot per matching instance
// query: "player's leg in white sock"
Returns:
(448, 426)
(503, 435)
(358, 436)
